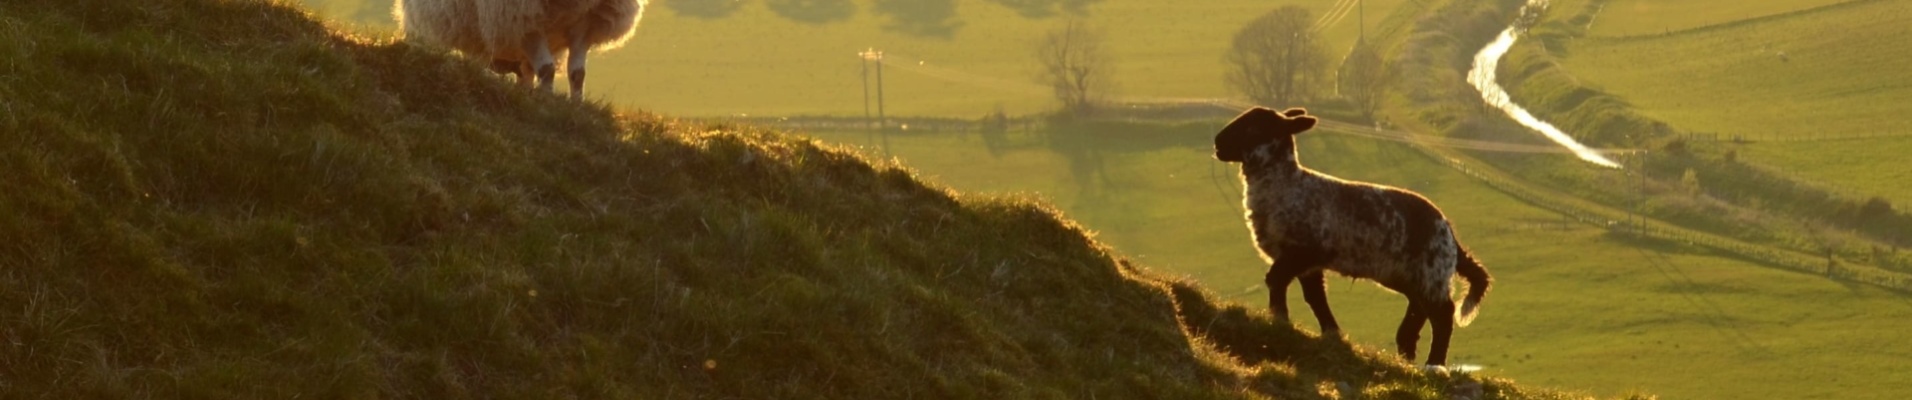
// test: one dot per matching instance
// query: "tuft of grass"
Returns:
(226, 199)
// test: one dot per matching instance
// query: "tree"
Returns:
(1365, 78)
(1277, 58)
(1690, 182)
(1075, 65)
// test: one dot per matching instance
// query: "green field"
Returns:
(1831, 162)
(1842, 70)
(1572, 307)
(959, 58)
(1651, 17)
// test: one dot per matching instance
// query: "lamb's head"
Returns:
(1261, 131)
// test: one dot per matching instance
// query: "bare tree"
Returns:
(1364, 79)
(1075, 65)
(1278, 61)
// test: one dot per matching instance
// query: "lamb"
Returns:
(1305, 222)
(521, 36)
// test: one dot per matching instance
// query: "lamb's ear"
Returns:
(1251, 128)
(1301, 124)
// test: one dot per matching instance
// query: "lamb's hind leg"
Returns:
(1410, 332)
(1440, 313)
(541, 60)
(579, 48)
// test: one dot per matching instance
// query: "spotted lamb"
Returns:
(1305, 222)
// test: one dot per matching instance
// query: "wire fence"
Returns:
(1815, 136)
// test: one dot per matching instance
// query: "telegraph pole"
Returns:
(873, 55)
(863, 61)
(882, 122)
(1363, 19)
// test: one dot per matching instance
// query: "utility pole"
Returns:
(1363, 19)
(876, 56)
(882, 122)
(863, 61)
(1638, 206)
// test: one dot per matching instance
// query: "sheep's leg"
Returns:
(1314, 289)
(526, 77)
(1277, 279)
(541, 60)
(1293, 263)
(1441, 314)
(507, 67)
(1410, 332)
(579, 48)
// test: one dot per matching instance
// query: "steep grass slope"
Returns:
(223, 199)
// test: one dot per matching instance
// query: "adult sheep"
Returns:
(522, 37)
(1305, 222)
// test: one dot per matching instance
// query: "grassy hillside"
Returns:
(958, 58)
(223, 199)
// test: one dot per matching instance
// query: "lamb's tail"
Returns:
(1477, 283)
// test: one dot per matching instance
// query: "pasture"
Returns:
(1654, 17)
(1831, 162)
(1573, 307)
(959, 58)
(1829, 72)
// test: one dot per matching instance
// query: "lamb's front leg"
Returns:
(1314, 289)
(1286, 267)
(1277, 280)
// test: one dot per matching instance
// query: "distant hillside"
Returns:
(226, 199)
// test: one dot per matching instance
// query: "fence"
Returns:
(1813, 136)
(906, 124)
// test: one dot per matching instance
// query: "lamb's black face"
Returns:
(1258, 126)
